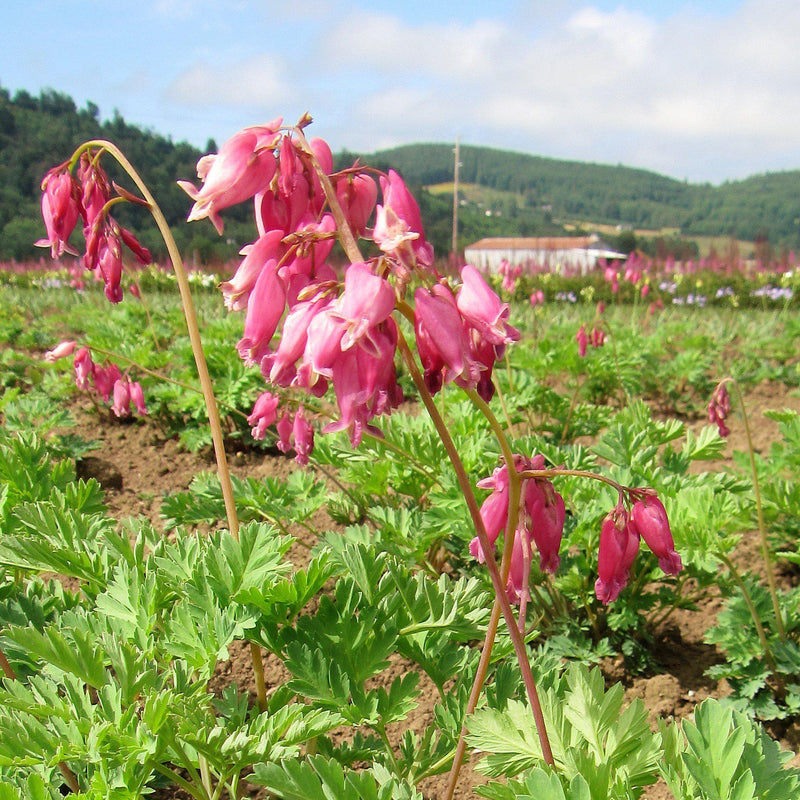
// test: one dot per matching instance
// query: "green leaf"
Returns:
(320, 779)
(76, 654)
(507, 737)
(706, 447)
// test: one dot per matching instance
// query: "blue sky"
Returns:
(703, 91)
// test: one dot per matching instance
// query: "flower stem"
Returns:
(494, 572)
(191, 324)
(751, 607)
(197, 348)
(766, 553)
(8, 670)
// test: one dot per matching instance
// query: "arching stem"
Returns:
(202, 367)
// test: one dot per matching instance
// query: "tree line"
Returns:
(537, 194)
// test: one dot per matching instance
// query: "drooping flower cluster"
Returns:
(66, 199)
(461, 335)
(597, 338)
(107, 381)
(332, 333)
(611, 276)
(540, 522)
(294, 431)
(719, 407)
(619, 542)
(537, 298)
(510, 274)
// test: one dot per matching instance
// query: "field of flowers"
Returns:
(253, 554)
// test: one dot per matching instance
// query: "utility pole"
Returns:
(454, 255)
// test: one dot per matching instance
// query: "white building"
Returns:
(555, 253)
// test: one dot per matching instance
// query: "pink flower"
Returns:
(537, 298)
(61, 350)
(109, 266)
(236, 291)
(645, 290)
(582, 339)
(243, 167)
(265, 308)
(105, 379)
(598, 337)
(285, 429)
(632, 275)
(541, 520)
(263, 415)
(303, 437)
(482, 309)
(650, 519)
(83, 368)
(517, 585)
(365, 383)
(276, 211)
(60, 210)
(442, 343)
(547, 513)
(619, 544)
(719, 407)
(357, 195)
(96, 188)
(398, 225)
(294, 337)
(141, 253)
(323, 346)
(137, 398)
(104, 254)
(494, 513)
(122, 398)
(367, 301)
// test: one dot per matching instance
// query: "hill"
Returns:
(763, 207)
(36, 133)
(505, 193)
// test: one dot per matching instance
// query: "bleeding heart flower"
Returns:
(650, 519)
(619, 544)
(60, 210)
(243, 167)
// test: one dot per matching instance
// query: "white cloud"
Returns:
(259, 81)
(690, 89)
(386, 44)
(690, 93)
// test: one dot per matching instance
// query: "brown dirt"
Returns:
(137, 466)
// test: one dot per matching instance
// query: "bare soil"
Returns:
(137, 466)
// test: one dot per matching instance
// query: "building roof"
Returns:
(537, 243)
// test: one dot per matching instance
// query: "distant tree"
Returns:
(18, 236)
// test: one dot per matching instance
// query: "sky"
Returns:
(700, 90)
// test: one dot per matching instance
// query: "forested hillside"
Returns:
(530, 195)
(36, 133)
(761, 207)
